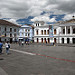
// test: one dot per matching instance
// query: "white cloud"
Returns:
(68, 16)
(12, 21)
(44, 18)
(24, 8)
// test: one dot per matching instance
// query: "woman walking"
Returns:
(7, 47)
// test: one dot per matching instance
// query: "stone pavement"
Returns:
(2, 72)
(37, 60)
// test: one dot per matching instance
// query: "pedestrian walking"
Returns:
(7, 45)
(19, 43)
(22, 43)
(1, 44)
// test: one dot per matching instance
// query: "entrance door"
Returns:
(62, 40)
(48, 40)
(68, 40)
(44, 40)
(41, 40)
(10, 40)
(73, 40)
(37, 40)
(54, 40)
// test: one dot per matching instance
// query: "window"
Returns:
(47, 31)
(26, 34)
(5, 29)
(26, 30)
(63, 31)
(68, 31)
(38, 24)
(54, 31)
(36, 32)
(14, 30)
(41, 32)
(10, 35)
(44, 32)
(10, 29)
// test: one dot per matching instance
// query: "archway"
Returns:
(44, 40)
(74, 31)
(54, 31)
(37, 40)
(68, 40)
(10, 40)
(41, 40)
(62, 40)
(48, 40)
(54, 40)
(73, 40)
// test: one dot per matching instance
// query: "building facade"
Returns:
(41, 32)
(65, 32)
(8, 31)
(26, 33)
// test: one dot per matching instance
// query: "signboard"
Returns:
(2, 36)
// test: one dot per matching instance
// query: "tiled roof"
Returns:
(68, 22)
(4, 22)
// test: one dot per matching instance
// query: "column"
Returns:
(70, 29)
(71, 40)
(65, 30)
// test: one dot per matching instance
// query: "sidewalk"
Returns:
(68, 45)
(2, 72)
(50, 44)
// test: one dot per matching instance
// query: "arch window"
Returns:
(54, 31)
(36, 32)
(44, 32)
(47, 31)
(41, 32)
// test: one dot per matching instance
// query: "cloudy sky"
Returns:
(28, 11)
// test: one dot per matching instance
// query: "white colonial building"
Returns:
(41, 32)
(64, 32)
(8, 31)
(26, 33)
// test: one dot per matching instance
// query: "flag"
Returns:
(50, 31)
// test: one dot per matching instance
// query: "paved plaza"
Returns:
(38, 59)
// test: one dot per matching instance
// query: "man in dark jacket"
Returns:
(1, 44)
